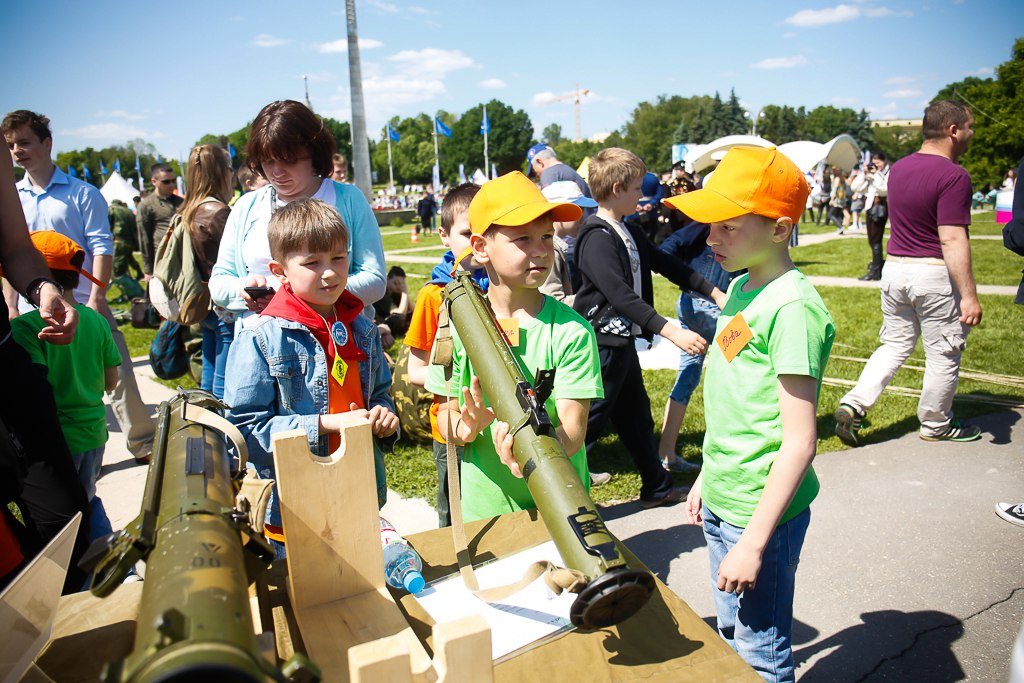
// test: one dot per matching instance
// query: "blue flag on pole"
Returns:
(441, 129)
(86, 173)
(159, 159)
(393, 134)
(117, 165)
(231, 150)
(138, 168)
(485, 126)
(72, 172)
(103, 167)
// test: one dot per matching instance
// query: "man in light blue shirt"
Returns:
(52, 200)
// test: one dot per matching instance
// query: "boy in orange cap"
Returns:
(512, 226)
(761, 390)
(79, 372)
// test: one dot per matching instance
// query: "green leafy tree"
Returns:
(896, 142)
(826, 122)
(413, 155)
(552, 134)
(653, 127)
(511, 135)
(997, 103)
(781, 124)
(126, 153)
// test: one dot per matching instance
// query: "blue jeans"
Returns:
(217, 336)
(700, 316)
(758, 623)
(88, 464)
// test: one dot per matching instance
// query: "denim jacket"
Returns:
(277, 381)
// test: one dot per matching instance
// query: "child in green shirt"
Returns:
(513, 231)
(79, 372)
(772, 342)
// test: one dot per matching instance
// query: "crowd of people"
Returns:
(303, 308)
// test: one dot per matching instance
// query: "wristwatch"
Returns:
(32, 291)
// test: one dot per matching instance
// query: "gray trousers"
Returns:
(918, 300)
(132, 414)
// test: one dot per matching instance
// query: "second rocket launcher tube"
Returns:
(569, 514)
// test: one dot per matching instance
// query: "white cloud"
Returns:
(387, 7)
(780, 62)
(421, 10)
(900, 80)
(546, 98)
(903, 93)
(119, 114)
(884, 110)
(393, 90)
(113, 132)
(431, 62)
(983, 71)
(267, 40)
(810, 18)
(341, 45)
(844, 100)
(493, 83)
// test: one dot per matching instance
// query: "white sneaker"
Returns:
(1011, 512)
(599, 478)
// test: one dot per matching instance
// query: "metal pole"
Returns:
(391, 170)
(360, 145)
(487, 163)
(305, 81)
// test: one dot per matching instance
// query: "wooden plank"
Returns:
(463, 651)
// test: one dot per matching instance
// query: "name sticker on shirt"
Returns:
(734, 337)
(339, 370)
(510, 328)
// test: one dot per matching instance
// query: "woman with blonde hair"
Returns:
(210, 182)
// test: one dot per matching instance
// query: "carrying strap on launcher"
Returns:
(556, 578)
(199, 415)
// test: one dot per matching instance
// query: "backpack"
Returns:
(176, 288)
(167, 353)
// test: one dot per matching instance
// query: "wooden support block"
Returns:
(382, 661)
(462, 651)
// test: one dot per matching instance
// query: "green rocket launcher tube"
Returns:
(201, 554)
(614, 591)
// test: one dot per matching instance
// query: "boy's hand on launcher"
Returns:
(475, 415)
(503, 442)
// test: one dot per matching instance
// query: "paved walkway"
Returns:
(907, 573)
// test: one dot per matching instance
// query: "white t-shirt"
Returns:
(256, 247)
(634, 259)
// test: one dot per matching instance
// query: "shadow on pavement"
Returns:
(887, 645)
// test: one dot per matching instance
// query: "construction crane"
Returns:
(575, 96)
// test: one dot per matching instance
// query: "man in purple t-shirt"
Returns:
(928, 288)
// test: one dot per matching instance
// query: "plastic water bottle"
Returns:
(402, 564)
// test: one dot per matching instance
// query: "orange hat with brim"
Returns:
(755, 180)
(513, 200)
(60, 252)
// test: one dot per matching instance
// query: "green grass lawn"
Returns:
(990, 348)
(993, 265)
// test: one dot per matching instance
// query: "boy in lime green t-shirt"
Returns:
(79, 372)
(761, 390)
(513, 238)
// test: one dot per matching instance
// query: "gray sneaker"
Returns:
(848, 422)
(680, 466)
(599, 479)
(676, 494)
(956, 432)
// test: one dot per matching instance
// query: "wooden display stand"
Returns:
(350, 624)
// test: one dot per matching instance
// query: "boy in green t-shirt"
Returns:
(78, 372)
(761, 390)
(513, 238)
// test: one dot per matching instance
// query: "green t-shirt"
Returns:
(557, 338)
(76, 373)
(792, 335)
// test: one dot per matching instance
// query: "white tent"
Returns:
(701, 157)
(117, 187)
(478, 177)
(841, 151)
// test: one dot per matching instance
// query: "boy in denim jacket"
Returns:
(310, 356)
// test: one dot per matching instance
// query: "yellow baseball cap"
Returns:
(514, 200)
(755, 180)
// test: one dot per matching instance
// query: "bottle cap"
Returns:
(413, 581)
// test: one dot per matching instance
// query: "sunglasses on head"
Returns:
(166, 182)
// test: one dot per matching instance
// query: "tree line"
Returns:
(650, 130)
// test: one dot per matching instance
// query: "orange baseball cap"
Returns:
(514, 200)
(755, 180)
(60, 252)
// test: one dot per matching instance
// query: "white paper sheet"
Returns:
(530, 615)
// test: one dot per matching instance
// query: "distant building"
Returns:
(906, 124)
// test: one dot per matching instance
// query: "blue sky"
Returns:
(108, 71)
